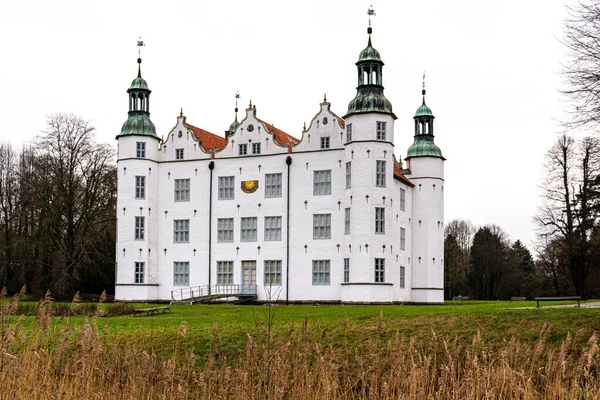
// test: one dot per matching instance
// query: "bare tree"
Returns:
(581, 69)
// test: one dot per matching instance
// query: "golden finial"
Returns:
(181, 112)
(250, 103)
(325, 98)
(304, 125)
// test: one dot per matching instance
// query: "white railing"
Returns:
(198, 293)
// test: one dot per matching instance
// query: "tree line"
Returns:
(57, 211)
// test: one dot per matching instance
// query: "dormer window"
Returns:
(381, 130)
(243, 149)
(140, 149)
(179, 154)
(325, 142)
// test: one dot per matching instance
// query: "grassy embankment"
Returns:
(466, 349)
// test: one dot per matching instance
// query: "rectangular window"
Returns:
(325, 142)
(379, 220)
(272, 228)
(381, 134)
(272, 185)
(139, 272)
(380, 173)
(320, 272)
(140, 149)
(255, 148)
(346, 270)
(140, 223)
(226, 187)
(181, 273)
(379, 270)
(140, 187)
(347, 221)
(179, 154)
(349, 133)
(225, 230)
(248, 229)
(348, 175)
(402, 239)
(224, 272)
(182, 190)
(322, 182)
(273, 273)
(181, 230)
(321, 226)
(402, 199)
(243, 149)
(402, 277)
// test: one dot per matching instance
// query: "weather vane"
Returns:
(423, 91)
(140, 44)
(370, 12)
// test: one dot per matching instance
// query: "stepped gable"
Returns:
(209, 141)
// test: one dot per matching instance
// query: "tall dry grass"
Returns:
(84, 362)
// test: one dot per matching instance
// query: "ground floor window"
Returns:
(273, 273)
(181, 273)
(224, 272)
(346, 270)
(379, 270)
(402, 277)
(321, 272)
(139, 272)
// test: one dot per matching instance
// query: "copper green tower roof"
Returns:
(424, 145)
(369, 93)
(138, 122)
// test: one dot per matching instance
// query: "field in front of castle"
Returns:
(458, 350)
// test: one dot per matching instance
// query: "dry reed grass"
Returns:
(84, 362)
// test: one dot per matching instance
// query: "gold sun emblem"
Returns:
(249, 186)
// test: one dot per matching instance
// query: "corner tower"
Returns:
(136, 272)
(426, 165)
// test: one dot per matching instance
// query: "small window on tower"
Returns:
(325, 142)
(140, 149)
(349, 133)
(381, 130)
(179, 154)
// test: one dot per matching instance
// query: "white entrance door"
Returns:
(249, 272)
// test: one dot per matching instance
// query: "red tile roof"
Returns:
(208, 141)
(398, 175)
(282, 138)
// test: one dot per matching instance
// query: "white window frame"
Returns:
(139, 272)
(140, 228)
(248, 229)
(225, 230)
(348, 174)
(321, 272)
(273, 185)
(272, 228)
(380, 270)
(182, 189)
(140, 187)
(381, 130)
(322, 182)
(272, 273)
(402, 199)
(380, 220)
(256, 148)
(224, 272)
(140, 149)
(243, 149)
(321, 226)
(347, 221)
(346, 270)
(402, 238)
(226, 185)
(181, 231)
(179, 154)
(402, 277)
(348, 133)
(380, 166)
(325, 142)
(181, 273)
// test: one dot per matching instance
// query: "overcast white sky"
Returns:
(491, 69)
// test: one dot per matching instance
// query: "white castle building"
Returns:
(331, 216)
